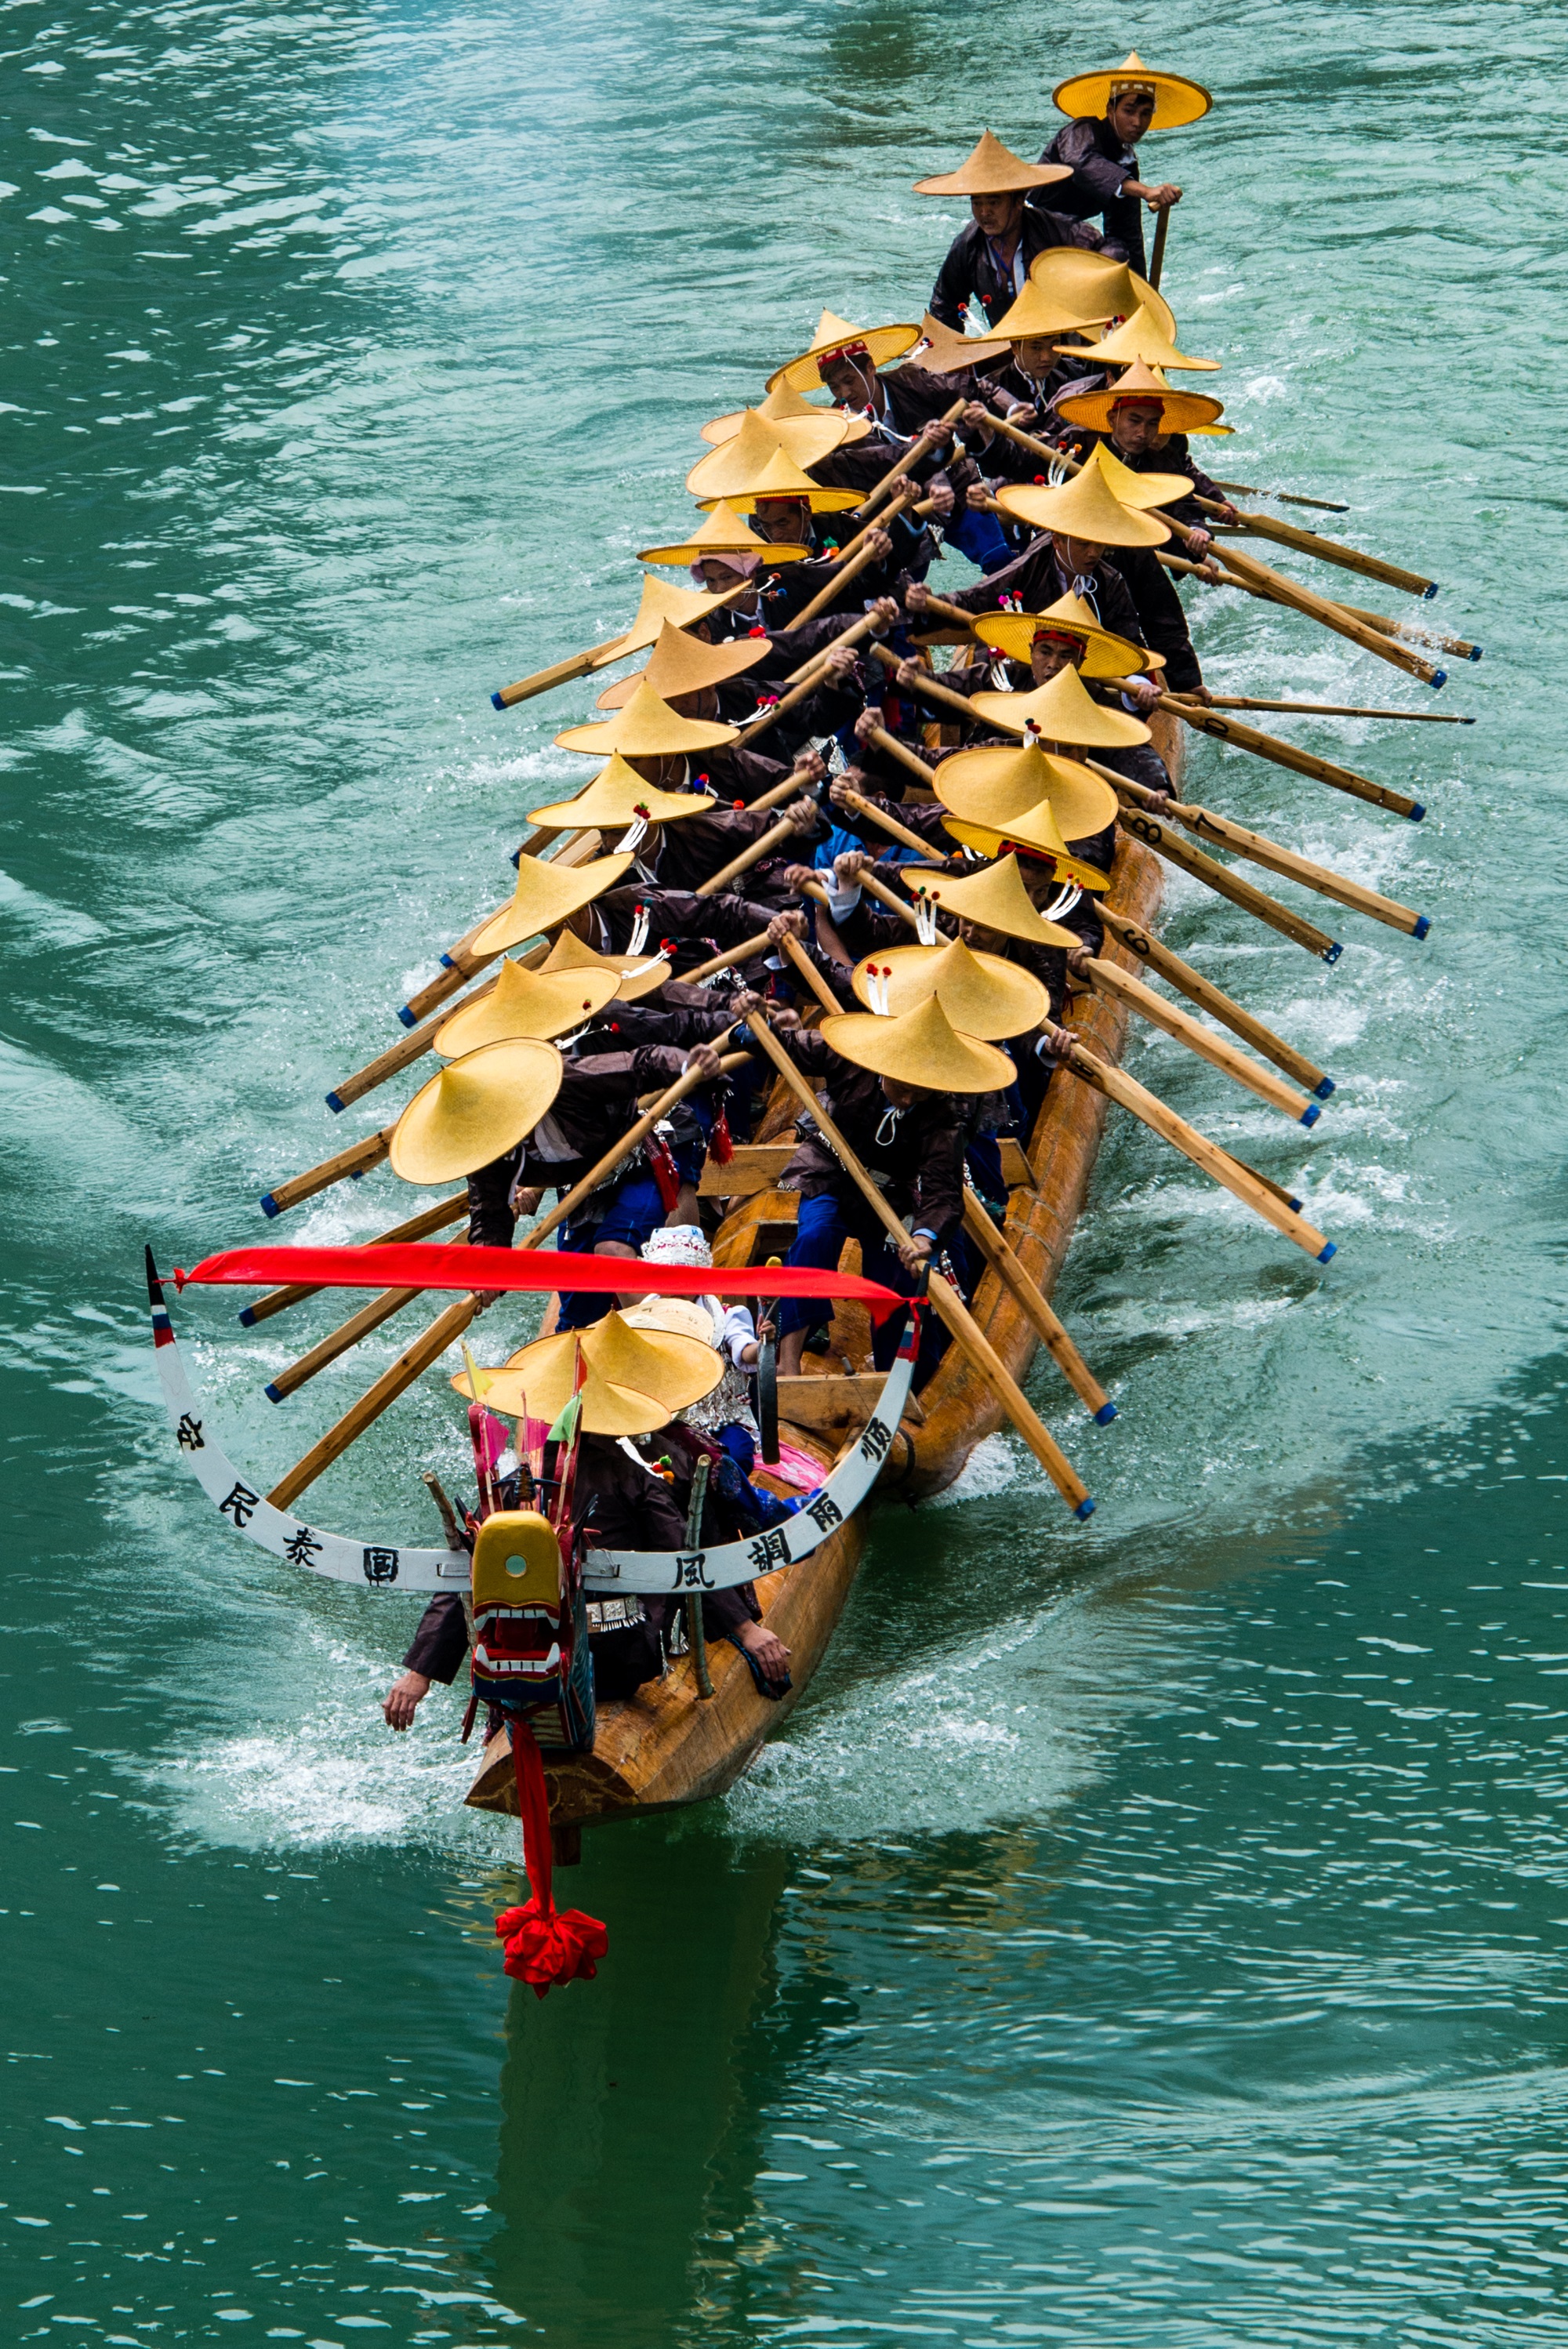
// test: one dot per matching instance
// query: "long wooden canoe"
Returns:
(666, 1746)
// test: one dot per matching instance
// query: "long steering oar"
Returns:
(1258, 849)
(1265, 1199)
(449, 1324)
(1212, 999)
(961, 1325)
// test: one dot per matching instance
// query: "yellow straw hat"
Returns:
(724, 532)
(940, 351)
(661, 602)
(1139, 338)
(1085, 507)
(920, 1048)
(996, 899)
(475, 1109)
(1176, 99)
(1104, 655)
(1179, 411)
(982, 994)
(781, 407)
(1036, 315)
(1061, 711)
(618, 796)
(835, 334)
(1105, 288)
(681, 664)
(808, 437)
(636, 975)
(991, 170)
(545, 895)
(606, 1409)
(1142, 491)
(756, 463)
(680, 1317)
(990, 786)
(524, 1003)
(1037, 833)
(668, 1371)
(647, 728)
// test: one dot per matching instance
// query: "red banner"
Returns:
(415, 1264)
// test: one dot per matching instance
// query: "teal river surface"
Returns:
(1156, 1933)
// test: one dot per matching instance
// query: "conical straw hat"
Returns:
(619, 796)
(1106, 288)
(661, 602)
(836, 334)
(807, 439)
(990, 786)
(679, 1317)
(647, 728)
(996, 899)
(1179, 411)
(681, 664)
(670, 1371)
(523, 1003)
(944, 352)
(474, 1111)
(991, 170)
(723, 533)
(546, 894)
(1036, 833)
(1061, 711)
(1142, 491)
(981, 995)
(1037, 313)
(756, 463)
(782, 406)
(1085, 507)
(1104, 655)
(920, 1048)
(606, 1409)
(636, 975)
(1139, 338)
(1176, 99)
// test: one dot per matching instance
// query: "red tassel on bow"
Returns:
(721, 1147)
(666, 1173)
(544, 1946)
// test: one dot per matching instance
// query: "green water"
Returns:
(1162, 1926)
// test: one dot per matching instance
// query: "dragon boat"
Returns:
(668, 1746)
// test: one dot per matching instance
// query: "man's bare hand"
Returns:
(1143, 695)
(796, 878)
(867, 724)
(703, 1057)
(1079, 961)
(848, 867)
(525, 1198)
(941, 498)
(913, 1251)
(771, 1654)
(811, 767)
(403, 1699)
(884, 615)
(791, 926)
(977, 419)
(781, 1018)
(879, 541)
(916, 596)
(802, 812)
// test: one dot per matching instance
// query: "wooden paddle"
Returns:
(795, 953)
(899, 752)
(1110, 979)
(1157, 258)
(1327, 550)
(1418, 631)
(925, 440)
(858, 556)
(1258, 849)
(1211, 999)
(764, 845)
(1337, 710)
(1285, 497)
(1002, 1257)
(461, 963)
(961, 1325)
(744, 952)
(455, 1319)
(890, 825)
(561, 672)
(1157, 836)
(417, 1227)
(358, 1159)
(1263, 1198)
(1337, 617)
(1201, 718)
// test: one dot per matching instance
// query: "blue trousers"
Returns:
(977, 536)
(825, 1224)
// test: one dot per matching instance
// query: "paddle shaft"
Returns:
(960, 1323)
(1327, 550)
(924, 441)
(1337, 710)
(400, 1375)
(1285, 497)
(1156, 834)
(1460, 646)
(461, 963)
(764, 845)
(888, 823)
(1212, 999)
(1157, 258)
(358, 1159)
(744, 952)
(1199, 716)
(795, 953)
(1337, 617)
(851, 635)
(928, 689)
(1134, 995)
(417, 1227)
(899, 752)
(1239, 1179)
(1258, 849)
(561, 672)
(856, 557)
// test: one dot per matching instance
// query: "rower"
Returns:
(988, 260)
(1110, 113)
(1145, 423)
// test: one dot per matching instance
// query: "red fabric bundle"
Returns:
(544, 1945)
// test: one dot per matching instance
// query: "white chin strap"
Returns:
(877, 991)
(639, 937)
(633, 839)
(926, 921)
(1063, 901)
